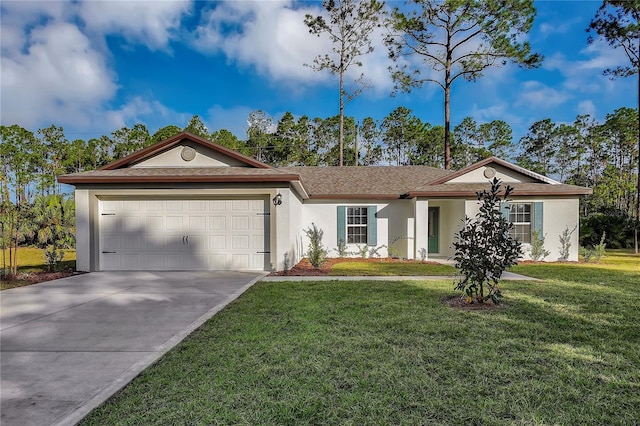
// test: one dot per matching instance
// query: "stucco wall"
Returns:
(502, 173)
(392, 223)
(558, 214)
(205, 157)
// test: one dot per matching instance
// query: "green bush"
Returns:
(316, 252)
(565, 243)
(538, 251)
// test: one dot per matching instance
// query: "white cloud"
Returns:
(150, 22)
(587, 107)
(140, 110)
(539, 96)
(59, 77)
(586, 75)
(272, 37)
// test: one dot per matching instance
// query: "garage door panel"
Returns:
(154, 223)
(239, 223)
(174, 223)
(154, 205)
(240, 205)
(217, 223)
(198, 206)
(184, 234)
(174, 206)
(132, 242)
(257, 223)
(111, 242)
(217, 242)
(131, 262)
(240, 242)
(197, 223)
(240, 261)
(111, 262)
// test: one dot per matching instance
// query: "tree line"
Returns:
(602, 155)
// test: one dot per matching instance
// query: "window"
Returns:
(357, 225)
(520, 216)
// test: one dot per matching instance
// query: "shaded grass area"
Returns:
(390, 268)
(561, 351)
(31, 261)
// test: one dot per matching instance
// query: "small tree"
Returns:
(538, 252)
(484, 248)
(565, 243)
(316, 252)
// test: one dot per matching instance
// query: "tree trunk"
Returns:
(447, 106)
(341, 132)
(638, 183)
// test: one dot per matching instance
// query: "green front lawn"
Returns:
(560, 351)
(390, 268)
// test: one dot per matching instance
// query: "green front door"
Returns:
(434, 229)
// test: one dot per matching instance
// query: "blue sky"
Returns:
(95, 66)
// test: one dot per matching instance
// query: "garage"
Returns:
(137, 233)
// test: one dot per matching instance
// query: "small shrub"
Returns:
(363, 251)
(538, 252)
(565, 243)
(393, 251)
(52, 258)
(598, 250)
(375, 251)
(316, 252)
(286, 261)
(484, 248)
(342, 248)
(586, 254)
(423, 254)
(596, 253)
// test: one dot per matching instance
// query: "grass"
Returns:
(31, 260)
(563, 350)
(390, 268)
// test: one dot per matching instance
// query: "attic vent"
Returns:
(489, 172)
(188, 153)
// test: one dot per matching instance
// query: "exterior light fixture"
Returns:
(277, 200)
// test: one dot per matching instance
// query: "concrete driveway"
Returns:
(67, 345)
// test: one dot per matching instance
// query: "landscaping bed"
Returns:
(367, 267)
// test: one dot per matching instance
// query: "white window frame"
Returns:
(363, 216)
(522, 222)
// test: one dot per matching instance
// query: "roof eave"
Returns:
(73, 180)
(517, 193)
(355, 196)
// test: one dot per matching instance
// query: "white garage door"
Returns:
(171, 234)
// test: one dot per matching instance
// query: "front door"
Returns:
(434, 229)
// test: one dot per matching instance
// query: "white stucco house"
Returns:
(187, 203)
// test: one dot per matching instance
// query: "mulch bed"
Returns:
(306, 269)
(38, 277)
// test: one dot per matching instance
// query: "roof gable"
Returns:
(491, 167)
(171, 153)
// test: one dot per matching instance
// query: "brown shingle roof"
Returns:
(179, 174)
(363, 181)
(470, 189)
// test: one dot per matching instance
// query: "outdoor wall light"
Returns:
(277, 200)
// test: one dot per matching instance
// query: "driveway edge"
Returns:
(132, 372)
